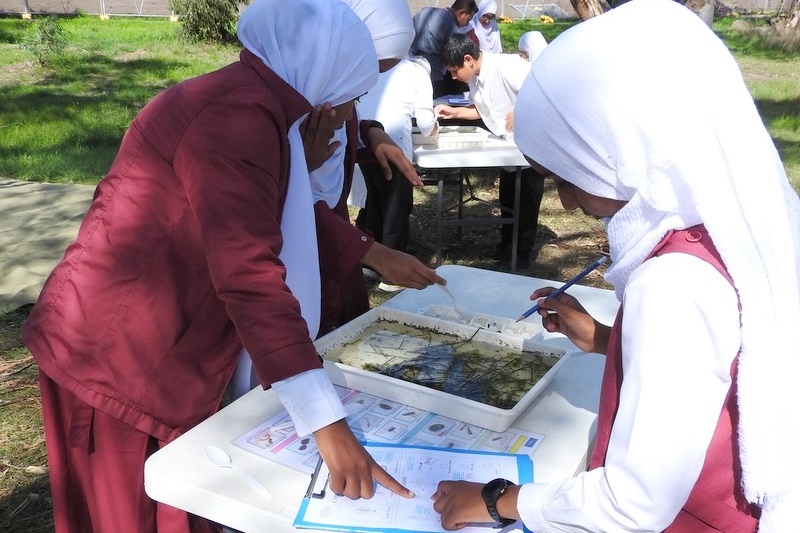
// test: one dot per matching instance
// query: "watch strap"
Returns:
(492, 492)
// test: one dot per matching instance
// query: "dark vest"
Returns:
(716, 502)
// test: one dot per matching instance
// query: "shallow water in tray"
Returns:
(486, 373)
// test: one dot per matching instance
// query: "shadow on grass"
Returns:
(783, 115)
(29, 509)
(85, 105)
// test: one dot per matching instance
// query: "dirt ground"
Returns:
(566, 241)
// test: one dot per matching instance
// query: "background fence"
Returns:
(510, 8)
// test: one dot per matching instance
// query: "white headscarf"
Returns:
(324, 51)
(389, 22)
(669, 126)
(392, 29)
(532, 42)
(488, 36)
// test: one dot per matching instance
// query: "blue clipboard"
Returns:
(318, 490)
(458, 101)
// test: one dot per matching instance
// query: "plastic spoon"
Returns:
(219, 457)
(461, 310)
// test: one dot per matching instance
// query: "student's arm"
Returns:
(387, 153)
(679, 337)
(315, 408)
(352, 467)
(463, 113)
(400, 268)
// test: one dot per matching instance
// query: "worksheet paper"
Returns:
(418, 468)
(374, 419)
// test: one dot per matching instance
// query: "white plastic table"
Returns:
(565, 413)
(494, 152)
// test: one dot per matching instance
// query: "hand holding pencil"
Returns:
(566, 286)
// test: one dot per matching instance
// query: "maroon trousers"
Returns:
(96, 468)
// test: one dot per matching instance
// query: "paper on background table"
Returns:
(420, 469)
(374, 419)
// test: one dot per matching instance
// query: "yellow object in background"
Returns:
(546, 20)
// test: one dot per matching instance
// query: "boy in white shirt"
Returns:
(494, 81)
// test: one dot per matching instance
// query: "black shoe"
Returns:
(523, 261)
(370, 276)
(501, 252)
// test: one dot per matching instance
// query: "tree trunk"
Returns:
(587, 9)
(794, 16)
(703, 9)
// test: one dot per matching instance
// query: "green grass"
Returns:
(510, 33)
(773, 77)
(64, 124)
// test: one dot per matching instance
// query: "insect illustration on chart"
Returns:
(427, 464)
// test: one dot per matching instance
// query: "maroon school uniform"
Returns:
(716, 502)
(138, 329)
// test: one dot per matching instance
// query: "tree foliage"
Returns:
(207, 20)
(46, 40)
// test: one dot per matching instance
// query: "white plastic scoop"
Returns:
(219, 457)
(460, 309)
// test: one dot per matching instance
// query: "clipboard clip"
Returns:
(314, 479)
(321, 494)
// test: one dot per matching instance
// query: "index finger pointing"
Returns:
(385, 479)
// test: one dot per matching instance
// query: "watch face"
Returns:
(495, 487)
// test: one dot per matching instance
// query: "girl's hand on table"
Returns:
(460, 503)
(352, 468)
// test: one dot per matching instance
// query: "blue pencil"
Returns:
(566, 286)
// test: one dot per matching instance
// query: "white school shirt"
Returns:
(401, 93)
(680, 335)
(494, 92)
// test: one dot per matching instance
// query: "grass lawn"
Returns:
(64, 124)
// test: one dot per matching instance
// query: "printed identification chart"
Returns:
(419, 469)
(374, 419)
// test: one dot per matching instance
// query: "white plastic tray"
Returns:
(528, 331)
(421, 397)
(452, 137)
(462, 137)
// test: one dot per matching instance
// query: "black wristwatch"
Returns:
(491, 492)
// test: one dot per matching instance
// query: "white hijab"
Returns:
(669, 126)
(323, 50)
(390, 24)
(392, 29)
(532, 42)
(488, 36)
